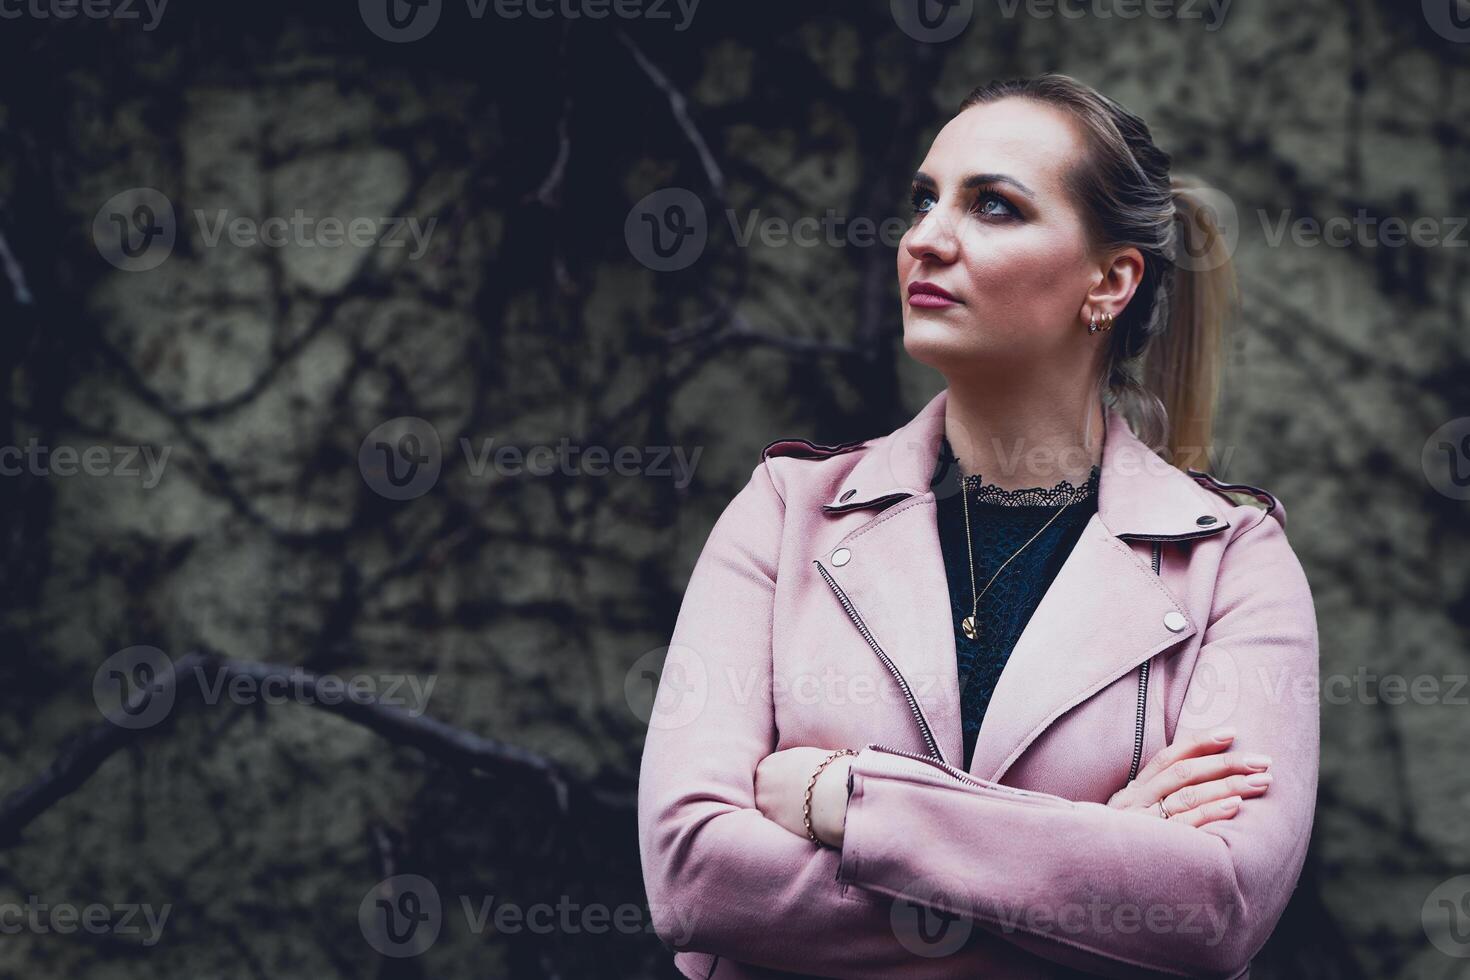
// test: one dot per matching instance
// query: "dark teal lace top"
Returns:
(1000, 522)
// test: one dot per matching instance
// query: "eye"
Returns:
(989, 204)
(918, 196)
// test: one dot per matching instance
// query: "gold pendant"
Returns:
(968, 626)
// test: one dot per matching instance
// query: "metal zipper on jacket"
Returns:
(958, 774)
(903, 685)
(1142, 693)
(943, 767)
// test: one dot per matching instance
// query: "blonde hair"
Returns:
(1162, 363)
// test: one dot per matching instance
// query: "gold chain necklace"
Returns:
(969, 624)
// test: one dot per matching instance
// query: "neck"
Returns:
(1024, 435)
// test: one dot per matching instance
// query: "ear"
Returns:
(1120, 275)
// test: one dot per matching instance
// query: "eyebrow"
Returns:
(971, 181)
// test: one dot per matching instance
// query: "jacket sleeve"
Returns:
(721, 878)
(1113, 891)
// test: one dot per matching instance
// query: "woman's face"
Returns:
(994, 227)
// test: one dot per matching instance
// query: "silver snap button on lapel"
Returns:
(1174, 621)
(841, 556)
(1205, 521)
(846, 495)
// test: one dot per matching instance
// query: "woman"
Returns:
(1003, 692)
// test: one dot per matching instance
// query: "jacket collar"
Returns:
(1140, 495)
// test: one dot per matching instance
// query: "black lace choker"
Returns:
(1061, 494)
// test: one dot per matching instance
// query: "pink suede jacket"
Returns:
(818, 615)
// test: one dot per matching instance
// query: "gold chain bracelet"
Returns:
(806, 807)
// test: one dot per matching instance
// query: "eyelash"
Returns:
(984, 194)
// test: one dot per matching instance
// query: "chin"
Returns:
(938, 342)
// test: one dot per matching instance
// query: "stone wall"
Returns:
(482, 279)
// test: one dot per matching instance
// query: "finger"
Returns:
(1203, 743)
(1191, 772)
(1142, 791)
(1201, 815)
(1198, 794)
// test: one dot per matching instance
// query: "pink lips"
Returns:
(930, 296)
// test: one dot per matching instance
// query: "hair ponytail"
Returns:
(1161, 367)
(1182, 364)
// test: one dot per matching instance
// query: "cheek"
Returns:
(1021, 260)
(1023, 276)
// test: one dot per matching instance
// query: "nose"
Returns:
(932, 237)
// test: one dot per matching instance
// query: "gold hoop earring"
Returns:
(1092, 324)
(1107, 322)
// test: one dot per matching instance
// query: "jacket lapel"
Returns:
(1102, 616)
(893, 574)
(893, 569)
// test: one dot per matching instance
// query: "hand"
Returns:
(1197, 780)
(780, 791)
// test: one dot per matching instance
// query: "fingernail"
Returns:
(1258, 779)
(1230, 805)
(1223, 734)
(1257, 761)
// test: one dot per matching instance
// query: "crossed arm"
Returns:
(1082, 884)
